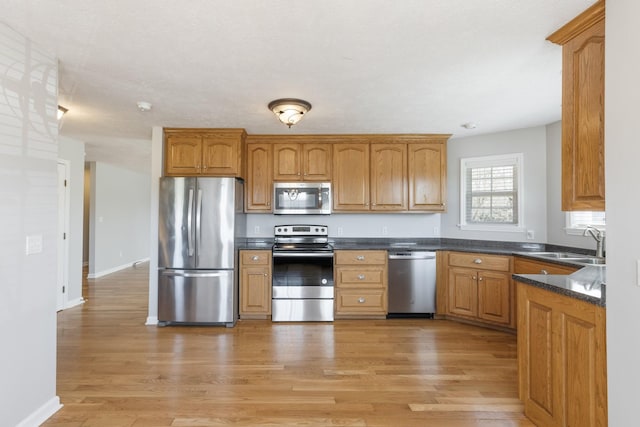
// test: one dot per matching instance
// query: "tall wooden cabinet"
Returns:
(388, 177)
(582, 40)
(259, 185)
(209, 152)
(561, 359)
(427, 177)
(351, 177)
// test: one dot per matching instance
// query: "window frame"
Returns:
(467, 163)
(578, 230)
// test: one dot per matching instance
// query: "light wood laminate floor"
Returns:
(115, 371)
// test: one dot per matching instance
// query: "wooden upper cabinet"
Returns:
(210, 152)
(389, 177)
(582, 40)
(258, 189)
(427, 177)
(301, 162)
(351, 177)
(183, 154)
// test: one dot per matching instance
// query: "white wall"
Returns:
(531, 142)
(352, 225)
(28, 190)
(622, 97)
(556, 219)
(119, 218)
(73, 151)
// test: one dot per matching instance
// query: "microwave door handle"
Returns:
(190, 223)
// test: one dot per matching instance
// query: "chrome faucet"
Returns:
(598, 235)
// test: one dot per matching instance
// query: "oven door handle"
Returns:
(304, 254)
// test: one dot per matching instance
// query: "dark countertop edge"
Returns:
(465, 245)
(557, 283)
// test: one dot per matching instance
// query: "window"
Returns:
(577, 221)
(491, 193)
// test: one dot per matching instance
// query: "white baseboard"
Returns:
(42, 414)
(115, 269)
(74, 302)
(151, 321)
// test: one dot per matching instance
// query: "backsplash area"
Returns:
(352, 225)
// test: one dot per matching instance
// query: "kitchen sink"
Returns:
(569, 257)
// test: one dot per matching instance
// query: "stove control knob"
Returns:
(324, 281)
(279, 230)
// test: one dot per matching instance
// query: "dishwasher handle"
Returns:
(412, 255)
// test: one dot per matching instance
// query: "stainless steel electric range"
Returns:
(302, 274)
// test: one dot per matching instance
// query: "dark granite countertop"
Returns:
(587, 284)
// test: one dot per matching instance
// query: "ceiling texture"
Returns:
(366, 66)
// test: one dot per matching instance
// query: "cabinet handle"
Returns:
(361, 300)
(360, 257)
(360, 276)
(474, 277)
(477, 261)
(255, 258)
(204, 167)
(265, 274)
(543, 271)
(479, 279)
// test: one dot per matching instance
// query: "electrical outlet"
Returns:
(436, 231)
(34, 244)
(340, 231)
(385, 230)
(530, 235)
(256, 229)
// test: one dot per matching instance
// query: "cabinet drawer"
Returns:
(479, 261)
(255, 257)
(528, 266)
(361, 257)
(361, 301)
(359, 277)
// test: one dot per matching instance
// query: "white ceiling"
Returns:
(366, 66)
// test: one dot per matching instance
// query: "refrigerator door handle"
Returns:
(198, 214)
(192, 274)
(189, 223)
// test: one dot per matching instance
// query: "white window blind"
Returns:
(579, 220)
(491, 191)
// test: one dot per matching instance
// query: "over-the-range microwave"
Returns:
(301, 198)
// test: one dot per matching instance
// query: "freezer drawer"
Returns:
(197, 296)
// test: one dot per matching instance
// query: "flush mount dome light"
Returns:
(289, 110)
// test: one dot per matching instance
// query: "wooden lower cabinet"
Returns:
(360, 284)
(255, 284)
(561, 359)
(479, 289)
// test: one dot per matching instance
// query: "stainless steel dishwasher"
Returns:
(412, 283)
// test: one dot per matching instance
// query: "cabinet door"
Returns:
(463, 292)
(286, 162)
(258, 192)
(351, 177)
(183, 154)
(583, 121)
(539, 379)
(494, 297)
(427, 177)
(316, 162)
(388, 177)
(221, 154)
(255, 292)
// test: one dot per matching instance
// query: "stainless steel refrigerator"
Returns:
(200, 222)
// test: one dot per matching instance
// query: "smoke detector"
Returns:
(144, 106)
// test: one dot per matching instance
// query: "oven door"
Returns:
(302, 275)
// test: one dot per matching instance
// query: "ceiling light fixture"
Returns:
(61, 111)
(144, 106)
(469, 125)
(289, 110)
